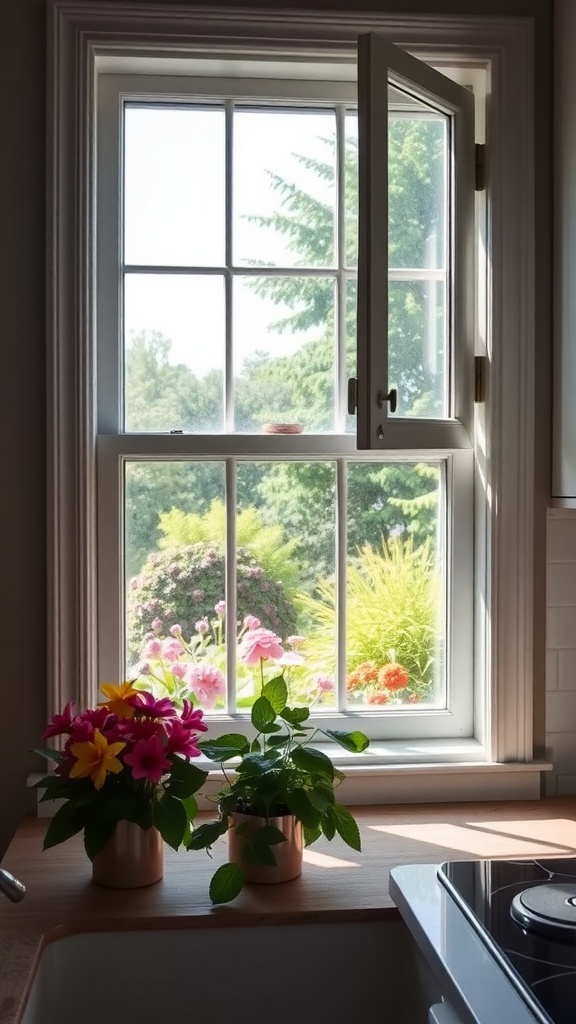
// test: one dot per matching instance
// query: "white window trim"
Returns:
(81, 32)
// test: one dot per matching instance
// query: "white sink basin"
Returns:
(341, 972)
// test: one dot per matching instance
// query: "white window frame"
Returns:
(499, 759)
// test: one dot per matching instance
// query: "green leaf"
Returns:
(294, 716)
(263, 713)
(355, 742)
(259, 855)
(269, 835)
(328, 823)
(171, 820)
(255, 747)
(313, 761)
(96, 835)
(67, 822)
(49, 754)
(233, 744)
(272, 727)
(276, 692)
(206, 834)
(311, 835)
(258, 764)
(226, 883)
(300, 805)
(185, 778)
(277, 741)
(346, 827)
(190, 805)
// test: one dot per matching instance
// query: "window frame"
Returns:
(82, 32)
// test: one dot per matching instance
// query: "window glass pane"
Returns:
(174, 196)
(175, 571)
(350, 341)
(395, 618)
(285, 537)
(284, 352)
(417, 187)
(417, 347)
(351, 189)
(284, 187)
(174, 331)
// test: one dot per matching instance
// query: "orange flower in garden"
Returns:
(369, 671)
(393, 676)
(378, 698)
(353, 681)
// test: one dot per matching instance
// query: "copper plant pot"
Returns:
(133, 857)
(288, 855)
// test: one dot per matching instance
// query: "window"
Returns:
(217, 451)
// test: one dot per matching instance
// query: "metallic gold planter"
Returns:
(288, 855)
(132, 858)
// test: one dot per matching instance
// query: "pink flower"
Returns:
(220, 608)
(324, 683)
(251, 622)
(144, 668)
(176, 630)
(83, 726)
(152, 707)
(59, 724)
(178, 669)
(136, 729)
(156, 625)
(202, 626)
(260, 643)
(172, 649)
(192, 719)
(207, 682)
(291, 658)
(152, 648)
(181, 740)
(147, 760)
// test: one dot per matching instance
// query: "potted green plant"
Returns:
(282, 795)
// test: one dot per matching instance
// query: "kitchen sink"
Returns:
(344, 971)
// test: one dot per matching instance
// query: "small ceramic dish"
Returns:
(283, 428)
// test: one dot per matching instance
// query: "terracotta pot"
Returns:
(132, 858)
(288, 855)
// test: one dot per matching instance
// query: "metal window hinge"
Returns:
(480, 366)
(480, 167)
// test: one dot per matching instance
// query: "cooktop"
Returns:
(525, 912)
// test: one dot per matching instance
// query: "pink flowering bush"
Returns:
(172, 665)
(182, 584)
(127, 759)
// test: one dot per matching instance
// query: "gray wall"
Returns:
(23, 548)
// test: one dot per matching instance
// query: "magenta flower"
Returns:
(323, 682)
(82, 729)
(172, 649)
(181, 740)
(135, 729)
(251, 622)
(207, 682)
(59, 724)
(260, 643)
(150, 706)
(192, 719)
(148, 760)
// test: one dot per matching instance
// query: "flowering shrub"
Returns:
(170, 665)
(127, 759)
(183, 584)
(369, 684)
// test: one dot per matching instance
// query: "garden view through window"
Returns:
(238, 279)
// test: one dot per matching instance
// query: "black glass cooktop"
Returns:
(525, 912)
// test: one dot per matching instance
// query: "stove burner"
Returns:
(549, 909)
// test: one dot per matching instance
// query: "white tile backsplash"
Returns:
(561, 652)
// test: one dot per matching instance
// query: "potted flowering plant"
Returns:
(282, 795)
(126, 761)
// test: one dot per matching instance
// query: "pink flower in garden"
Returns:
(147, 704)
(178, 669)
(251, 622)
(144, 668)
(323, 682)
(295, 640)
(260, 643)
(148, 760)
(152, 648)
(176, 630)
(171, 649)
(207, 682)
(59, 724)
(181, 740)
(157, 625)
(192, 719)
(220, 608)
(291, 658)
(202, 626)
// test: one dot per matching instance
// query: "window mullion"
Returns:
(231, 468)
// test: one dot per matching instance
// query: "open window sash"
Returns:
(389, 78)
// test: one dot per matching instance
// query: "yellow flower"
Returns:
(118, 694)
(95, 758)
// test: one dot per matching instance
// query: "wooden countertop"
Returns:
(337, 884)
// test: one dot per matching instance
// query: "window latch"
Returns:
(391, 397)
(352, 395)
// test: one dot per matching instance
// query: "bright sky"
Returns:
(175, 215)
